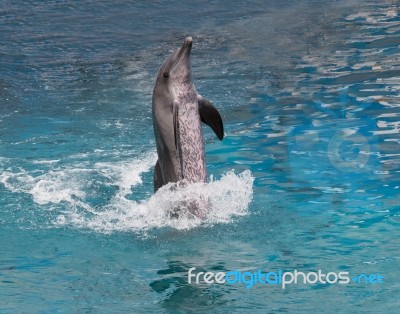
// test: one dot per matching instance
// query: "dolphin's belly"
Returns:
(190, 146)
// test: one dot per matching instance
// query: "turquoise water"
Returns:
(307, 177)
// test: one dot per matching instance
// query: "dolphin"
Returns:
(178, 111)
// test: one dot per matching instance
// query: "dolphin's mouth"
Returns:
(184, 50)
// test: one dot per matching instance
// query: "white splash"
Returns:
(126, 174)
(68, 192)
(229, 197)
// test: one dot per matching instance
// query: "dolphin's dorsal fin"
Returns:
(210, 116)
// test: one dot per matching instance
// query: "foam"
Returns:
(127, 174)
(69, 190)
(229, 197)
(45, 162)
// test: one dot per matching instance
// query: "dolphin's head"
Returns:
(176, 68)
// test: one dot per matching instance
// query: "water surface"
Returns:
(306, 178)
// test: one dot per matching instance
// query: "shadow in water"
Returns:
(181, 297)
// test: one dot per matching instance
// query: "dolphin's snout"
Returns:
(188, 42)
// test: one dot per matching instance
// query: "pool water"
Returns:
(306, 178)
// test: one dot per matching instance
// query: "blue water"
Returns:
(307, 177)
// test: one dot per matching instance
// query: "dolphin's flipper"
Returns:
(210, 116)
(158, 182)
(175, 121)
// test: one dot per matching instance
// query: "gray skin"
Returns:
(178, 111)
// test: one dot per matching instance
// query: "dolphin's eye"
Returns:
(165, 75)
